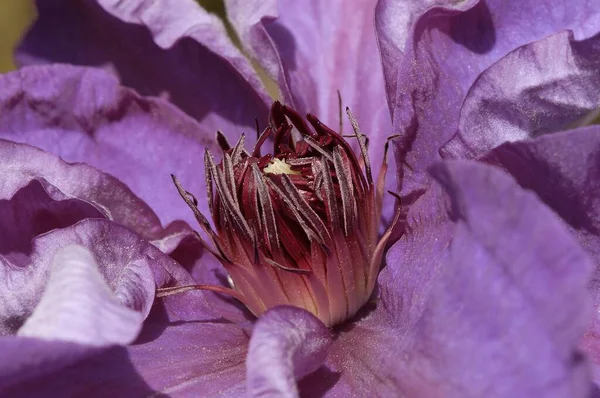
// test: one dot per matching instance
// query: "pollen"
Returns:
(296, 226)
(278, 166)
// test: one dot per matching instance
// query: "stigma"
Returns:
(277, 166)
(299, 225)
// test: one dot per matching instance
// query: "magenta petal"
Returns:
(183, 350)
(78, 306)
(537, 89)
(174, 50)
(287, 344)
(394, 22)
(83, 115)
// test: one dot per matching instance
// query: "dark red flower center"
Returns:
(297, 226)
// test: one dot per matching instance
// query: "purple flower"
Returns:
(485, 292)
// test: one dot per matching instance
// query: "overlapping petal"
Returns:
(446, 51)
(306, 48)
(483, 296)
(131, 274)
(83, 115)
(188, 354)
(40, 192)
(175, 50)
(183, 350)
(542, 87)
(287, 344)
(77, 305)
(563, 170)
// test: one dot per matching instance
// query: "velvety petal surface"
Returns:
(446, 51)
(185, 355)
(537, 89)
(131, 266)
(77, 305)
(287, 344)
(176, 50)
(485, 295)
(394, 23)
(83, 115)
(563, 170)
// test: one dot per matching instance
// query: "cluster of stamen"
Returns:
(299, 226)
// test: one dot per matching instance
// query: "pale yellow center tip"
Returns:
(278, 166)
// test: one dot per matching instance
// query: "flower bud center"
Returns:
(300, 225)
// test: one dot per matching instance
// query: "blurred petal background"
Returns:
(15, 17)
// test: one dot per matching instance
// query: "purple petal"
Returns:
(444, 54)
(177, 51)
(394, 23)
(192, 358)
(315, 48)
(183, 350)
(131, 266)
(539, 88)
(78, 306)
(287, 344)
(39, 368)
(40, 192)
(483, 296)
(563, 170)
(83, 115)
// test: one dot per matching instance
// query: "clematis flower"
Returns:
(484, 294)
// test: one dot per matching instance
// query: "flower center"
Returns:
(277, 166)
(298, 226)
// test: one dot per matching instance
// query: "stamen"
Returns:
(261, 140)
(192, 203)
(169, 291)
(345, 183)
(298, 226)
(239, 149)
(314, 145)
(303, 207)
(330, 202)
(361, 144)
(298, 122)
(341, 121)
(287, 269)
(222, 141)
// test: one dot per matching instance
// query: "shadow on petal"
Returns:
(67, 369)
